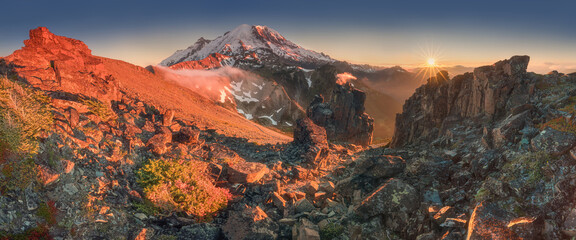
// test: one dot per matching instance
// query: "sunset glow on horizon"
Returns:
(379, 34)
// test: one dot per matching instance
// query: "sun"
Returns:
(431, 62)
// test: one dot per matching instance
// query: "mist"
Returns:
(213, 84)
(342, 78)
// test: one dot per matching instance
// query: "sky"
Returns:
(382, 33)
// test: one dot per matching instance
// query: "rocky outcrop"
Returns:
(343, 116)
(488, 94)
(312, 138)
(53, 62)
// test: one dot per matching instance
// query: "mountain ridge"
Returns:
(266, 43)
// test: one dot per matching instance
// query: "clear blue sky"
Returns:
(375, 32)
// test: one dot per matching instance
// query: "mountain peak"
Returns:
(251, 43)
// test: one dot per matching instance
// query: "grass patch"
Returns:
(561, 124)
(176, 187)
(570, 107)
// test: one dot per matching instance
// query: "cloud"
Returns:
(208, 83)
(342, 78)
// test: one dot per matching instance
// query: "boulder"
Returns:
(553, 141)
(569, 225)
(205, 231)
(443, 214)
(383, 166)
(158, 143)
(246, 172)
(488, 221)
(249, 223)
(305, 230)
(392, 196)
(303, 205)
(72, 116)
(187, 135)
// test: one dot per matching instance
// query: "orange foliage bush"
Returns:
(174, 187)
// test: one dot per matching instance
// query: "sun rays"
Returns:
(432, 62)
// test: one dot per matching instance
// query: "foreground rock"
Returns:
(488, 221)
(246, 172)
(393, 196)
(312, 138)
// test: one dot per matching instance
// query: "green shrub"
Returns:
(98, 108)
(17, 175)
(24, 114)
(47, 211)
(181, 187)
(331, 231)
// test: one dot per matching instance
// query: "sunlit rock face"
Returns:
(59, 63)
(343, 116)
(486, 95)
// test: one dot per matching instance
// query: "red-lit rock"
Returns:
(246, 172)
(53, 62)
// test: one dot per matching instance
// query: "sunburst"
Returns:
(431, 64)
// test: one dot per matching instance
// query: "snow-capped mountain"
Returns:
(255, 44)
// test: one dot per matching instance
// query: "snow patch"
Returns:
(271, 119)
(246, 115)
(222, 96)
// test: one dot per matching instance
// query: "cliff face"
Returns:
(343, 116)
(486, 95)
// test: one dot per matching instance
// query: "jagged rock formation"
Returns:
(54, 62)
(487, 95)
(343, 116)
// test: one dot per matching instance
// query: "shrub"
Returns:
(47, 211)
(24, 114)
(331, 231)
(174, 187)
(17, 175)
(98, 108)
